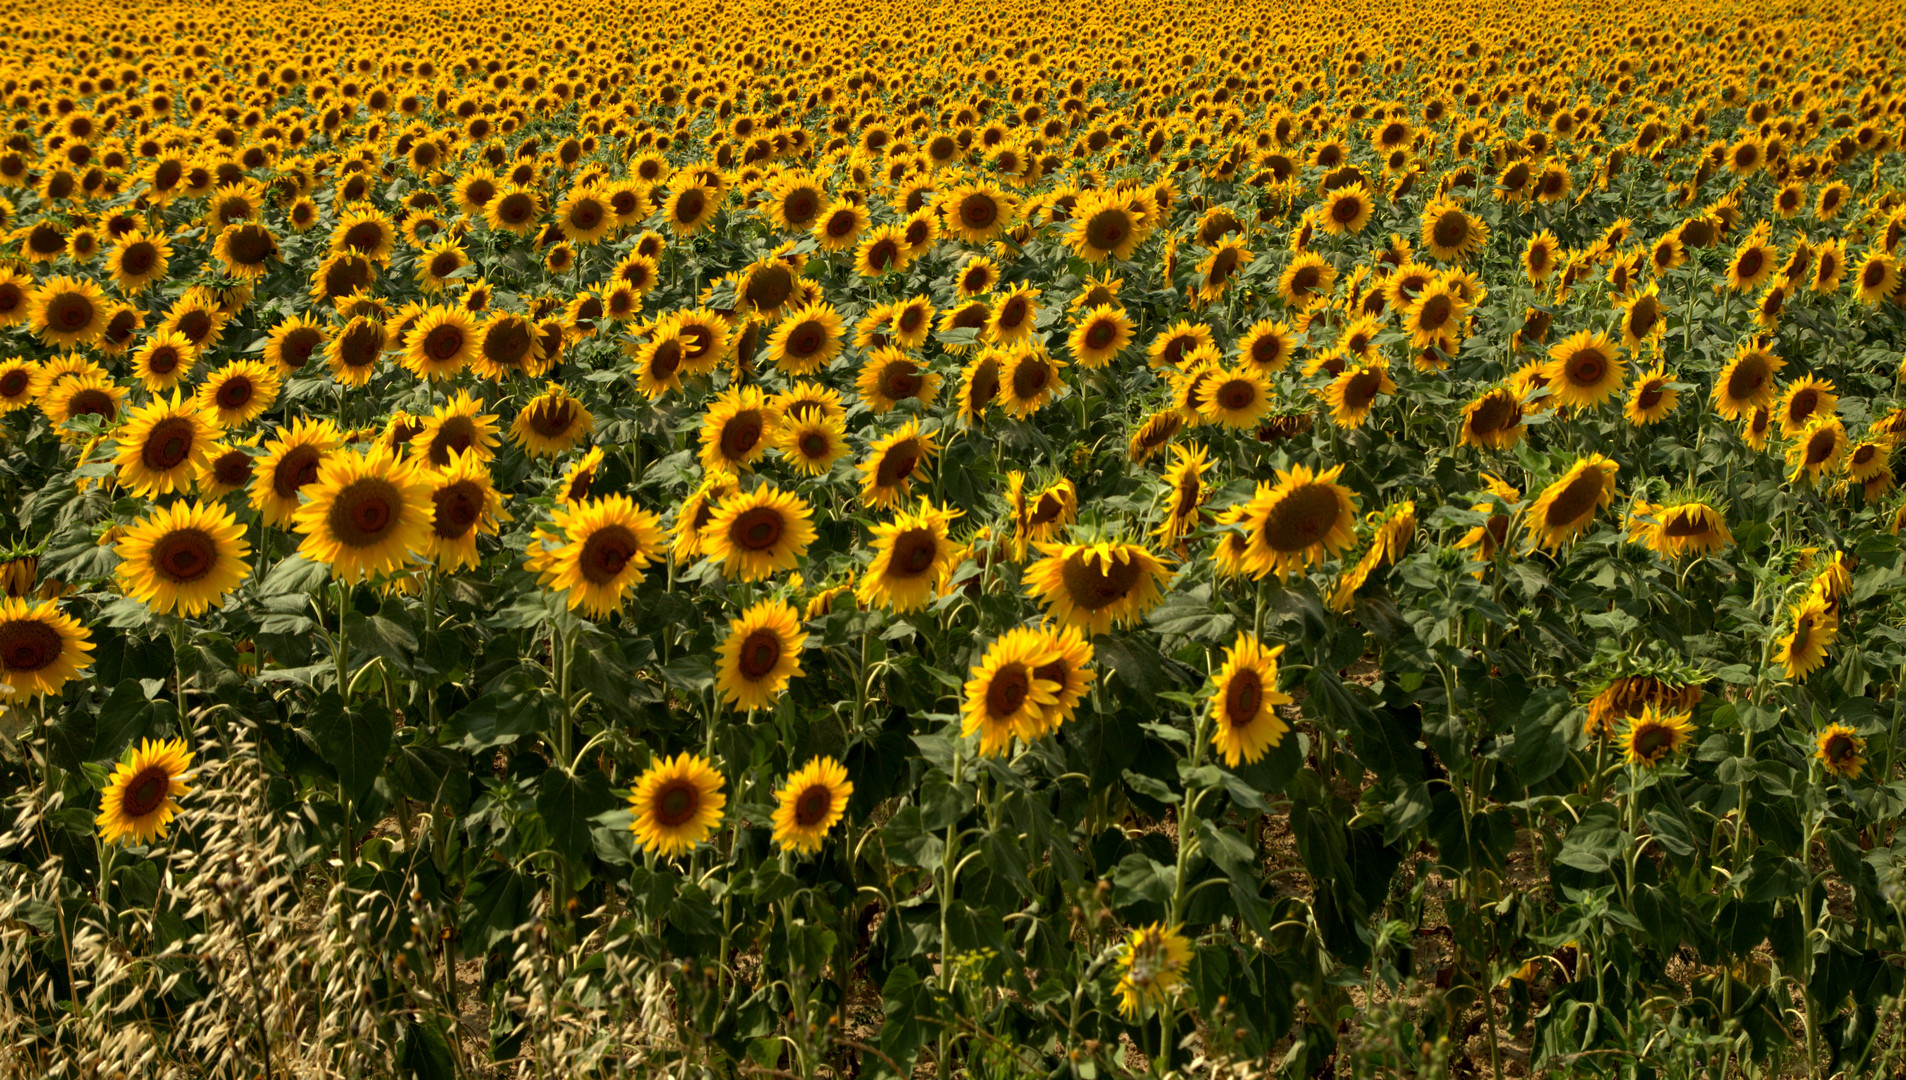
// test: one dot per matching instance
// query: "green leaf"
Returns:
(295, 574)
(1140, 879)
(124, 718)
(352, 739)
(1544, 733)
(567, 802)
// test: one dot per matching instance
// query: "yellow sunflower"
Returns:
(1652, 398)
(1493, 420)
(602, 547)
(813, 442)
(366, 513)
(239, 392)
(1303, 519)
(890, 376)
(459, 426)
(67, 312)
(1099, 335)
(1841, 751)
(1243, 715)
(1649, 739)
(676, 803)
(183, 557)
(1818, 448)
(441, 343)
(1567, 507)
(758, 533)
(1095, 586)
(811, 801)
(464, 504)
(163, 445)
(1803, 401)
(912, 557)
(760, 655)
(1450, 233)
(1184, 480)
(1237, 398)
(891, 462)
(737, 429)
(41, 650)
(551, 423)
(1005, 695)
(1804, 648)
(289, 464)
(1354, 393)
(141, 796)
(1746, 381)
(807, 340)
(1585, 370)
(1152, 965)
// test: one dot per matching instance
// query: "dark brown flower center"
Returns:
(365, 512)
(28, 645)
(145, 793)
(1008, 690)
(1095, 584)
(459, 507)
(760, 654)
(676, 803)
(184, 556)
(812, 806)
(168, 444)
(1243, 696)
(606, 553)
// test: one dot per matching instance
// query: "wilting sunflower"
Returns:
(1354, 393)
(807, 340)
(737, 429)
(1243, 715)
(1095, 586)
(1805, 400)
(760, 655)
(1649, 739)
(676, 803)
(600, 549)
(1841, 751)
(1005, 695)
(1302, 519)
(888, 469)
(890, 376)
(183, 557)
(141, 796)
(758, 533)
(912, 556)
(163, 445)
(1151, 966)
(464, 504)
(1567, 507)
(809, 803)
(1585, 370)
(239, 392)
(1099, 335)
(1683, 528)
(1450, 233)
(1817, 449)
(551, 423)
(67, 312)
(41, 650)
(1154, 434)
(1747, 381)
(1652, 398)
(813, 443)
(366, 513)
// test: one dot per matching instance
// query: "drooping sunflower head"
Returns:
(1566, 508)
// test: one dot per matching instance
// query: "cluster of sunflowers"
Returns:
(929, 487)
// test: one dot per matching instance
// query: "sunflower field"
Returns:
(952, 540)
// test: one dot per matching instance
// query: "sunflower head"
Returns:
(141, 797)
(677, 803)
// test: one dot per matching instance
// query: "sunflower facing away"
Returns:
(677, 803)
(811, 801)
(185, 557)
(141, 798)
(760, 655)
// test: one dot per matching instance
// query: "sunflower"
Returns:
(882, 251)
(1449, 233)
(41, 650)
(1005, 696)
(1306, 281)
(551, 423)
(1302, 519)
(677, 804)
(141, 796)
(183, 558)
(1805, 400)
(163, 445)
(809, 803)
(247, 249)
(1585, 370)
(691, 517)
(888, 469)
(463, 505)
(353, 354)
(1152, 964)
(1817, 449)
(86, 394)
(585, 215)
(1841, 751)
(290, 463)
(760, 655)
(1746, 382)
(912, 557)
(1098, 336)
(366, 514)
(1012, 317)
(1754, 261)
(840, 226)
(1538, 257)
(1829, 266)
(1567, 507)
(163, 361)
(1875, 279)
(292, 343)
(1493, 420)
(1652, 398)
(1095, 586)
(137, 260)
(1869, 460)
(1804, 648)
(1684, 528)
(813, 443)
(806, 400)
(1345, 210)
(1028, 379)
(1267, 346)
(1244, 694)
(601, 548)
(239, 392)
(440, 343)
(508, 344)
(1218, 269)
(1435, 317)
(737, 429)
(1104, 227)
(807, 340)
(365, 230)
(16, 384)
(1650, 738)
(658, 363)
(514, 209)
(579, 477)
(794, 202)
(1184, 479)
(226, 469)
(67, 312)
(977, 213)
(758, 533)
(1352, 394)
